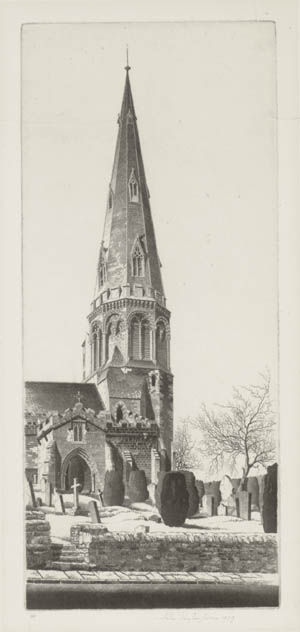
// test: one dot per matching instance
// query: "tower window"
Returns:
(110, 199)
(102, 274)
(133, 188)
(77, 432)
(94, 352)
(140, 333)
(138, 261)
(161, 345)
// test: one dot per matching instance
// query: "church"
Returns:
(121, 415)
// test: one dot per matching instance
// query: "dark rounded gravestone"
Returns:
(137, 487)
(174, 499)
(269, 512)
(158, 489)
(193, 507)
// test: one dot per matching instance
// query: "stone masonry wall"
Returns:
(38, 542)
(178, 552)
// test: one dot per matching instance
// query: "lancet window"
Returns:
(138, 261)
(140, 334)
(133, 188)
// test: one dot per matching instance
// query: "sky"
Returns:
(205, 98)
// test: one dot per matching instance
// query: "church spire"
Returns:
(128, 253)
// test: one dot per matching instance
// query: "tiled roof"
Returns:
(42, 397)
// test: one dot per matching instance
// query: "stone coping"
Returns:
(225, 538)
(139, 577)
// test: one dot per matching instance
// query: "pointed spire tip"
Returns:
(127, 67)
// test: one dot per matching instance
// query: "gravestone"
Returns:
(253, 489)
(59, 504)
(225, 489)
(100, 495)
(244, 505)
(211, 508)
(31, 495)
(222, 510)
(269, 513)
(94, 512)
(231, 505)
(48, 494)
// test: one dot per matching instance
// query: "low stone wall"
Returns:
(38, 542)
(179, 552)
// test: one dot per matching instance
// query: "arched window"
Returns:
(108, 343)
(102, 274)
(146, 340)
(95, 341)
(100, 348)
(161, 345)
(135, 339)
(133, 188)
(77, 432)
(138, 261)
(119, 413)
(153, 379)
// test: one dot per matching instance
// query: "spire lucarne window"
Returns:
(133, 188)
(138, 261)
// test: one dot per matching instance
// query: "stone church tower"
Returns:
(126, 352)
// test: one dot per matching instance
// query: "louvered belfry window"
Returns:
(94, 351)
(140, 333)
(135, 339)
(146, 351)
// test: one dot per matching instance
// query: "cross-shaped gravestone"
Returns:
(75, 493)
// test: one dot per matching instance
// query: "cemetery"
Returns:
(181, 525)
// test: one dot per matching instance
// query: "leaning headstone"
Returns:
(225, 489)
(48, 494)
(100, 496)
(94, 512)
(31, 500)
(244, 505)
(59, 504)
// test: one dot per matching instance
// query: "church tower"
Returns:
(127, 349)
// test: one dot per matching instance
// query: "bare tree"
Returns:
(244, 427)
(185, 447)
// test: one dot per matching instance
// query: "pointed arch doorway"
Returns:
(77, 465)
